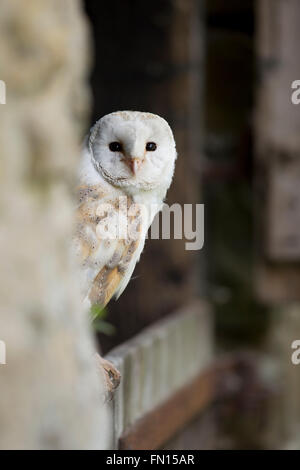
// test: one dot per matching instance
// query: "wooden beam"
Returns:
(277, 147)
(158, 426)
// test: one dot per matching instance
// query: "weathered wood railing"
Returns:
(170, 377)
(164, 378)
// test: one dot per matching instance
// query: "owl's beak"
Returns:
(134, 164)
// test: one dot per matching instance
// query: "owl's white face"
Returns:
(133, 150)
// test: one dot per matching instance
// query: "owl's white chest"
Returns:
(108, 258)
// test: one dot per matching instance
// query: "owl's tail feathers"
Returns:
(104, 286)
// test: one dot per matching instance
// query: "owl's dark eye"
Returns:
(151, 146)
(115, 147)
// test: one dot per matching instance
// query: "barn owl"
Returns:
(126, 168)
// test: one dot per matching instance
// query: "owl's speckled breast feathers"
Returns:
(106, 259)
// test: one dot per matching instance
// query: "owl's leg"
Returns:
(111, 375)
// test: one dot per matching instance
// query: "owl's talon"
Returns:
(111, 375)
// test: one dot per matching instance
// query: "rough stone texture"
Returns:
(50, 395)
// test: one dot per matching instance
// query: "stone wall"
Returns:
(50, 397)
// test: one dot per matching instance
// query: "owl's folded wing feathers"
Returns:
(106, 262)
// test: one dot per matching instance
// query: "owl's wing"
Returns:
(107, 262)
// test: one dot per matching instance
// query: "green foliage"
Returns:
(98, 315)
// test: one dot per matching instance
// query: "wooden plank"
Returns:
(158, 362)
(277, 144)
(157, 427)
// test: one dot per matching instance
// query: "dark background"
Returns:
(220, 73)
(136, 66)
